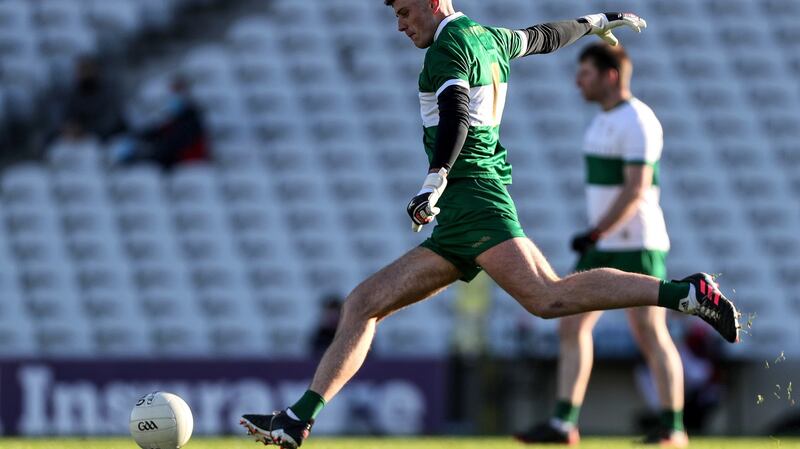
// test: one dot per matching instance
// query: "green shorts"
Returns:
(650, 262)
(476, 214)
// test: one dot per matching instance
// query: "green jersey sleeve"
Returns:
(509, 42)
(446, 64)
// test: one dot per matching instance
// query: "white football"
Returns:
(161, 421)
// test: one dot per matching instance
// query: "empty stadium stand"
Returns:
(316, 138)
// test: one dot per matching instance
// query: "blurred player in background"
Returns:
(462, 90)
(622, 149)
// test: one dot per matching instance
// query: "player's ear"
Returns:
(613, 76)
(434, 5)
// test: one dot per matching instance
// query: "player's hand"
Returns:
(422, 208)
(603, 23)
(585, 241)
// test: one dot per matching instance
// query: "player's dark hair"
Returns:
(605, 57)
(388, 2)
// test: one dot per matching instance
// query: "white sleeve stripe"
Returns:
(453, 82)
(523, 43)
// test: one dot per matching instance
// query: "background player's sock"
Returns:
(566, 414)
(308, 407)
(671, 420)
(670, 294)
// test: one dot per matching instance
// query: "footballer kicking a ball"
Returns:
(462, 94)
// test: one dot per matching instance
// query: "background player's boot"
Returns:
(707, 301)
(278, 429)
(547, 433)
(668, 438)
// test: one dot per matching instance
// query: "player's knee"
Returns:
(550, 311)
(647, 333)
(540, 308)
(572, 328)
(359, 306)
(538, 300)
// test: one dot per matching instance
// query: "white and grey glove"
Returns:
(422, 208)
(603, 23)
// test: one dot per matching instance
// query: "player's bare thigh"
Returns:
(647, 324)
(417, 275)
(573, 325)
(521, 270)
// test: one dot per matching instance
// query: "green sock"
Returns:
(309, 406)
(670, 294)
(567, 412)
(671, 419)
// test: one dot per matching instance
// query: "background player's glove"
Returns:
(583, 242)
(603, 23)
(422, 208)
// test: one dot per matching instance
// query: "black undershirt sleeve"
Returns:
(453, 126)
(549, 37)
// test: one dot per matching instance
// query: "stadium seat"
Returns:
(17, 337)
(114, 18)
(313, 139)
(82, 192)
(229, 338)
(179, 338)
(221, 298)
(51, 296)
(138, 184)
(251, 34)
(770, 94)
(107, 293)
(87, 248)
(207, 65)
(62, 45)
(15, 14)
(3, 113)
(194, 183)
(40, 40)
(554, 10)
(25, 184)
(58, 14)
(76, 157)
(13, 305)
(129, 337)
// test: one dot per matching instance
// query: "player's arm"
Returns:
(549, 37)
(453, 101)
(638, 180)
(453, 126)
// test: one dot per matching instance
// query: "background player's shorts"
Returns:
(651, 262)
(476, 214)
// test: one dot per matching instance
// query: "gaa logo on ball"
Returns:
(144, 426)
(161, 421)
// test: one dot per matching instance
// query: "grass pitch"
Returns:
(397, 443)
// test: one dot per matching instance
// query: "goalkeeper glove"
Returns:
(583, 242)
(422, 208)
(602, 24)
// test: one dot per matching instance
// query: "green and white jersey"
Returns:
(476, 57)
(627, 134)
